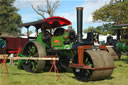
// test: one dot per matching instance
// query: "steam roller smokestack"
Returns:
(79, 23)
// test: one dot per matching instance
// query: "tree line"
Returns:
(116, 12)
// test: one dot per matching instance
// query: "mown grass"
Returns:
(21, 77)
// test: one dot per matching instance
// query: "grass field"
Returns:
(21, 77)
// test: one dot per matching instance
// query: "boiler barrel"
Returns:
(122, 46)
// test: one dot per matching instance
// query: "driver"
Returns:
(46, 37)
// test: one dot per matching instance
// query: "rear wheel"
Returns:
(34, 49)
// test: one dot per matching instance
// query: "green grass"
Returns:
(21, 77)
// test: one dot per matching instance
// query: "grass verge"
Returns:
(21, 77)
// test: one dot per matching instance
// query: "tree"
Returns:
(89, 29)
(116, 12)
(48, 9)
(9, 18)
(104, 29)
(117, 1)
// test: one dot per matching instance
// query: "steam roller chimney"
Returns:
(79, 23)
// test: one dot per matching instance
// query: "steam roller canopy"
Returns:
(95, 59)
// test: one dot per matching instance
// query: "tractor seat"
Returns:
(59, 31)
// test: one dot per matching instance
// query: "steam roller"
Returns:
(89, 61)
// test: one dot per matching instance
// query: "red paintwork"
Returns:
(17, 51)
(13, 44)
(56, 41)
(90, 68)
(57, 21)
(80, 64)
(66, 30)
(81, 52)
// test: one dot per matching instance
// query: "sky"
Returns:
(66, 9)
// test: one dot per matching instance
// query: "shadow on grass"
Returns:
(73, 76)
(110, 78)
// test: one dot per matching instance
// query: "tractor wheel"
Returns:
(94, 59)
(34, 49)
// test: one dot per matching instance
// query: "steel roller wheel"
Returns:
(94, 59)
(113, 53)
(34, 49)
(83, 74)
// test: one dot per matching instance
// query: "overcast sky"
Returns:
(67, 9)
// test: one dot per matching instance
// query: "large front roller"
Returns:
(94, 59)
(34, 49)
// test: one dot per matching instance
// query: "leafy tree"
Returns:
(116, 12)
(117, 1)
(104, 29)
(89, 29)
(9, 18)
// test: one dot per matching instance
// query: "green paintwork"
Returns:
(20, 62)
(34, 63)
(57, 42)
(121, 46)
(66, 54)
(2, 43)
(120, 26)
(124, 40)
(39, 39)
(31, 50)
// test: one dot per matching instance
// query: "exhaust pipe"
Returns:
(79, 23)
